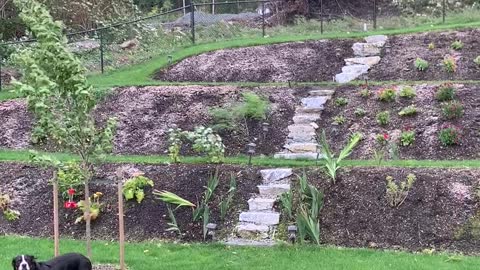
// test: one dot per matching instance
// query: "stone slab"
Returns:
(369, 61)
(301, 147)
(307, 156)
(316, 102)
(366, 49)
(356, 69)
(260, 218)
(272, 191)
(378, 40)
(321, 92)
(306, 118)
(272, 175)
(261, 204)
(346, 77)
(249, 242)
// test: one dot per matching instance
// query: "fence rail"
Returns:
(200, 25)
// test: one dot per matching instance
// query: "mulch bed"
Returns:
(300, 61)
(427, 123)
(356, 212)
(401, 52)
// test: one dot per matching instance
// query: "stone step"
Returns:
(301, 138)
(306, 118)
(369, 61)
(356, 69)
(260, 218)
(301, 147)
(325, 93)
(249, 242)
(378, 40)
(315, 102)
(366, 49)
(307, 156)
(273, 175)
(250, 230)
(346, 77)
(273, 190)
(260, 204)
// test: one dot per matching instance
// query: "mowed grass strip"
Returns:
(153, 256)
(7, 155)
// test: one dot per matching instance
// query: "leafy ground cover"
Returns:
(169, 256)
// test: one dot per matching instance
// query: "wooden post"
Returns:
(56, 226)
(121, 222)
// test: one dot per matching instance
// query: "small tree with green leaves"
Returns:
(59, 96)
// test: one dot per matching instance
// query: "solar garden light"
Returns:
(211, 229)
(319, 149)
(250, 152)
(170, 59)
(265, 127)
(292, 233)
(365, 77)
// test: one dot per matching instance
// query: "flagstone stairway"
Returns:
(302, 137)
(257, 226)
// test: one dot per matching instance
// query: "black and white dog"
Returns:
(71, 261)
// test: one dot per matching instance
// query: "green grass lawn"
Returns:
(151, 256)
(141, 74)
(7, 155)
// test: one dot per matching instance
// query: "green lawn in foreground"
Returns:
(141, 74)
(23, 156)
(154, 256)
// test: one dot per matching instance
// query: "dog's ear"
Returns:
(14, 260)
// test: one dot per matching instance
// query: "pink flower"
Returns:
(71, 191)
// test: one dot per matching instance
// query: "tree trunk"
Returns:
(56, 233)
(88, 231)
(121, 225)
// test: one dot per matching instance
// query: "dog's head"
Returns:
(24, 262)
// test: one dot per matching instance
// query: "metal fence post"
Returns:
(192, 20)
(100, 33)
(321, 16)
(444, 10)
(375, 14)
(263, 19)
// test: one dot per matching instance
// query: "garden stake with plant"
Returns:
(121, 221)
(56, 225)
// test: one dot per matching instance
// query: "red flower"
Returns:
(70, 205)
(71, 191)
(66, 205)
(385, 136)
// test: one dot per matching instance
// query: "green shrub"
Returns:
(421, 65)
(387, 94)
(396, 194)
(449, 135)
(408, 111)
(445, 92)
(223, 119)
(339, 120)
(341, 101)
(431, 46)
(360, 112)
(477, 61)
(133, 188)
(450, 64)
(365, 93)
(452, 109)
(383, 118)
(407, 137)
(253, 106)
(407, 92)
(457, 45)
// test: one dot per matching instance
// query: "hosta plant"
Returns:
(341, 101)
(407, 137)
(383, 118)
(386, 94)
(450, 64)
(332, 163)
(360, 112)
(134, 188)
(457, 45)
(206, 141)
(407, 92)
(408, 111)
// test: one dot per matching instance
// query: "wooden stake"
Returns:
(121, 222)
(56, 226)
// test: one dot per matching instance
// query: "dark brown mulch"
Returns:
(145, 221)
(401, 52)
(356, 211)
(426, 123)
(301, 61)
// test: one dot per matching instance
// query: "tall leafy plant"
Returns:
(311, 202)
(172, 199)
(59, 95)
(332, 163)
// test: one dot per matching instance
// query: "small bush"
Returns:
(396, 194)
(445, 92)
(386, 94)
(253, 106)
(450, 64)
(477, 61)
(134, 188)
(452, 109)
(365, 93)
(382, 139)
(449, 135)
(408, 111)
(383, 118)
(421, 65)
(431, 46)
(457, 45)
(407, 92)
(341, 101)
(360, 112)
(407, 137)
(339, 120)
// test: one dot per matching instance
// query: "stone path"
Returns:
(257, 225)
(301, 140)
(366, 55)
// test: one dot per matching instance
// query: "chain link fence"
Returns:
(110, 47)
